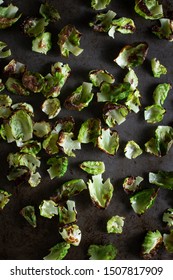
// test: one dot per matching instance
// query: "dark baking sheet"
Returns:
(18, 240)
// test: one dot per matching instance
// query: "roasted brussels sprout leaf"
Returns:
(132, 150)
(69, 41)
(160, 93)
(102, 252)
(152, 241)
(54, 81)
(154, 113)
(143, 200)
(131, 184)
(69, 189)
(80, 98)
(163, 179)
(123, 25)
(51, 107)
(8, 15)
(103, 21)
(132, 79)
(67, 215)
(28, 212)
(33, 26)
(5, 103)
(115, 224)
(21, 126)
(4, 198)
(100, 193)
(58, 166)
(68, 144)
(50, 144)
(165, 30)
(14, 68)
(108, 141)
(32, 147)
(89, 131)
(93, 167)
(42, 43)
(149, 9)
(157, 68)
(132, 55)
(48, 209)
(58, 251)
(17, 161)
(71, 234)
(100, 4)
(49, 12)
(162, 142)
(113, 93)
(97, 77)
(19, 175)
(41, 129)
(168, 241)
(64, 124)
(4, 53)
(114, 114)
(133, 102)
(15, 86)
(168, 217)
(33, 81)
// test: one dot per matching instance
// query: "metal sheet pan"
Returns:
(18, 240)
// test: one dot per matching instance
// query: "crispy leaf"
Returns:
(100, 193)
(102, 252)
(58, 251)
(151, 243)
(115, 224)
(132, 55)
(143, 200)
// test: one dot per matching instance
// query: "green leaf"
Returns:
(149, 9)
(28, 212)
(100, 193)
(154, 113)
(4, 54)
(67, 215)
(164, 31)
(161, 92)
(48, 209)
(168, 217)
(168, 241)
(143, 200)
(69, 41)
(113, 93)
(89, 131)
(80, 98)
(71, 234)
(115, 224)
(132, 55)
(97, 77)
(163, 179)
(108, 141)
(58, 251)
(51, 107)
(114, 114)
(157, 68)
(151, 243)
(93, 167)
(58, 167)
(69, 189)
(132, 150)
(102, 252)
(4, 198)
(66, 141)
(131, 184)
(42, 43)
(99, 4)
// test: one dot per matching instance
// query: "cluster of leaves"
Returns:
(18, 125)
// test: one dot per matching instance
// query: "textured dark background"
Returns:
(18, 240)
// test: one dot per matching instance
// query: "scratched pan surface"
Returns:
(18, 240)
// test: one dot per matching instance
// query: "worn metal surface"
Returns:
(18, 240)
